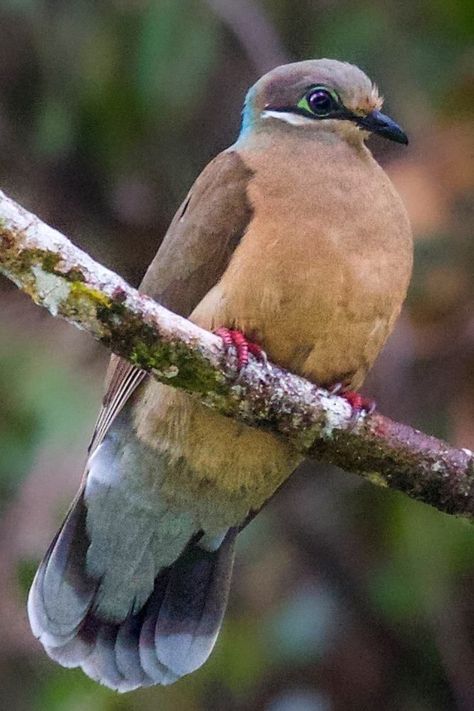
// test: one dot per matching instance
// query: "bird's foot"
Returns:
(233, 338)
(359, 404)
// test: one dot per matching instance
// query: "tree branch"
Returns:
(65, 280)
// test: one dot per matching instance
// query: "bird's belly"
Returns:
(217, 468)
(325, 324)
(324, 335)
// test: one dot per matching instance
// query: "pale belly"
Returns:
(217, 468)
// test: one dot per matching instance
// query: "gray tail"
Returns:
(171, 635)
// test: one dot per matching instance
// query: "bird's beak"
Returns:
(376, 122)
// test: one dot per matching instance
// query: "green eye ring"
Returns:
(319, 101)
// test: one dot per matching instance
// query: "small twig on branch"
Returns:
(65, 280)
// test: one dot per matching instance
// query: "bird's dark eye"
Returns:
(319, 101)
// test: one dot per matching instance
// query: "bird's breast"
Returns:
(320, 275)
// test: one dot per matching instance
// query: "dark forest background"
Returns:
(345, 596)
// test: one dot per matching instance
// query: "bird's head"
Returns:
(322, 95)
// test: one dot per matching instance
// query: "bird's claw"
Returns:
(234, 338)
(359, 404)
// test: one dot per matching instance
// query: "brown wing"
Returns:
(191, 259)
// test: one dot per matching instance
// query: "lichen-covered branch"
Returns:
(65, 280)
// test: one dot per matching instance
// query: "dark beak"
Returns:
(384, 126)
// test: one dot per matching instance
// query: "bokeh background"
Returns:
(345, 597)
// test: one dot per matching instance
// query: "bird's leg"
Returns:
(232, 337)
(358, 402)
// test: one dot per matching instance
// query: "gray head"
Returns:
(320, 94)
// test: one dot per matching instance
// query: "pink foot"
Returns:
(232, 337)
(359, 403)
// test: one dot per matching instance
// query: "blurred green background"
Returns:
(345, 597)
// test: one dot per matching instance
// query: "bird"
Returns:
(292, 243)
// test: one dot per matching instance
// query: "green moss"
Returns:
(138, 343)
(376, 478)
(80, 290)
(194, 373)
(75, 274)
(20, 261)
(48, 260)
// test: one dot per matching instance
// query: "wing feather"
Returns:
(192, 258)
(124, 590)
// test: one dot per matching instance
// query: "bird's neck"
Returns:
(264, 134)
(248, 115)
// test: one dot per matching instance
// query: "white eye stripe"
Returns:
(288, 117)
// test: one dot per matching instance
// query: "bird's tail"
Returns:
(170, 635)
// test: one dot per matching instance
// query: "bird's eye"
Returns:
(319, 101)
